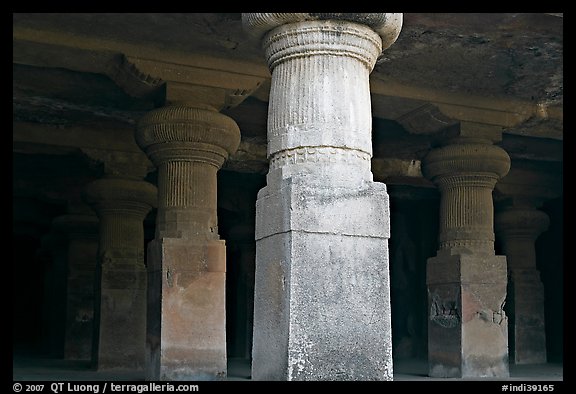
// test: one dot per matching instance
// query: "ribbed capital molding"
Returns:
(124, 196)
(518, 228)
(386, 25)
(466, 173)
(182, 133)
(463, 159)
(121, 204)
(188, 145)
(521, 223)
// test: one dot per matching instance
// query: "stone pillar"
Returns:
(54, 252)
(82, 235)
(186, 338)
(322, 303)
(467, 328)
(518, 228)
(120, 332)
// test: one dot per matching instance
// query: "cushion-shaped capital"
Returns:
(387, 25)
(466, 159)
(183, 124)
(122, 194)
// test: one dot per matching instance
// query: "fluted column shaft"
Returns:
(188, 145)
(467, 331)
(187, 187)
(186, 328)
(518, 228)
(322, 307)
(465, 174)
(120, 335)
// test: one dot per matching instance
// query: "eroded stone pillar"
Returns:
(467, 328)
(186, 337)
(120, 332)
(517, 229)
(82, 234)
(322, 305)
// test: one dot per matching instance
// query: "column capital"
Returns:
(466, 172)
(386, 25)
(466, 161)
(520, 222)
(528, 187)
(76, 224)
(122, 196)
(180, 132)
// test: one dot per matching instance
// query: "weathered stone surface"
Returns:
(186, 329)
(186, 337)
(467, 327)
(120, 337)
(322, 308)
(322, 304)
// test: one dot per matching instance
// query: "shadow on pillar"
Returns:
(550, 263)
(236, 218)
(509, 310)
(412, 242)
(27, 292)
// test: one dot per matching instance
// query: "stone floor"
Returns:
(29, 368)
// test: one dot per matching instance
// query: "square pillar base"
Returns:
(79, 325)
(528, 344)
(80, 303)
(122, 316)
(467, 327)
(186, 338)
(322, 300)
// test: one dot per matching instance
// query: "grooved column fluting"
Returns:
(517, 229)
(120, 331)
(186, 334)
(467, 328)
(322, 307)
(466, 174)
